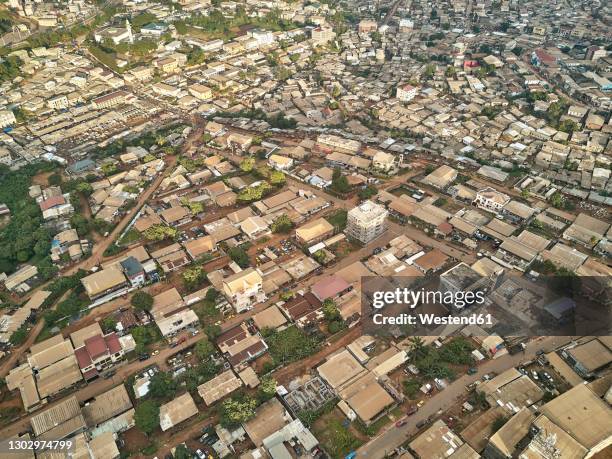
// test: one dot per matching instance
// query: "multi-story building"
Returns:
(110, 100)
(367, 26)
(406, 92)
(244, 289)
(366, 222)
(200, 91)
(490, 199)
(322, 35)
(133, 270)
(6, 118)
(263, 37)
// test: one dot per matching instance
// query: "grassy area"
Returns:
(131, 236)
(411, 388)
(8, 415)
(373, 428)
(335, 438)
(207, 312)
(338, 219)
(290, 344)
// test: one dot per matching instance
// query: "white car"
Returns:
(200, 454)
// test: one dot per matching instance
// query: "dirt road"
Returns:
(97, 253)
(98, 386)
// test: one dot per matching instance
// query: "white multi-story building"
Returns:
(490, 199)
(366, 222)
(322, 35)
(263, 37)
(244, 289)
(6, 118)
(406, 92)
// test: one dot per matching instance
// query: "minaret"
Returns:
(129, 30)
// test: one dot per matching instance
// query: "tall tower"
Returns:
(128, 27)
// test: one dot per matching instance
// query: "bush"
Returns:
(146, 416)
(236, 410)
(291, 344)
(411, 388)
(142, 301)
(239, 255)
(282, 224)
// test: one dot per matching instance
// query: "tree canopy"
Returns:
(146, 416)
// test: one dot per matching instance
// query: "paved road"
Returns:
(393, 437)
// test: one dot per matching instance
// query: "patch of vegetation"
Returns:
(239, 255)
(338, 440)
(160, 232)
(434, 363)
(24, 238)
(144, 336)
(411, 388)
(254, 193)
(498, 423)
(282, 224)
(142, 300)
(193, 277)
(131, 236)
(308, 417)
(367, 192)
(339, 182)
(440, 202)
(291, 344)
(236, 410)
(338, 219)
(146, 416)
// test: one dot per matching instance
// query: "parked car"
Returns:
(144, 356)
(400, 423)
(422, 423)
(200, 454)
(411, 410)
(472, 371)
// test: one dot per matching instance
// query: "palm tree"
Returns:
(417, 347)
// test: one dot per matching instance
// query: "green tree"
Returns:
(204, 349)
(254, 193)
(109, 169)
(193, 277)
(162, 385)
(282, 224)
(340, 183)
(142, 301)
(236, 410)
(417, 347)
(367, 192)
(55, 179)
(568, 126)
(160, 232)
(146, 417)
(181, 452)
(247, 164)
(411, 388)
(239, 255)
(19, 336)
(277, 178)
(108, 324)
(267, 388)
(330, 310)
